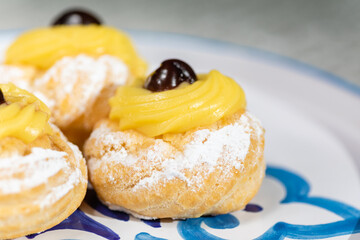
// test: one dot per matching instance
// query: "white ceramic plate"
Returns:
(312, 122)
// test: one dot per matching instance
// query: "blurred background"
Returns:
(323, 33)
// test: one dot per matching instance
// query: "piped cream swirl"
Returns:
(204, 102)
(23, 115)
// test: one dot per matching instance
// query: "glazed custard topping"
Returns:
(43, 47)
(204, 102)
(22, 115)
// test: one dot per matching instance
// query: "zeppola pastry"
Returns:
(43, 177)
(74, 66)
(178, 145)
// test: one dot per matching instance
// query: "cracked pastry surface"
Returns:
(211, 170)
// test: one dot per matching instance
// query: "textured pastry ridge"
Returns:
(36, 168)
(23, 77)
(184, 175)
(74, 85)
(41, 183)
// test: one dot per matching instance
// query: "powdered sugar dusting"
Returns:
(38, 166)
(14, 75)
(230, 143)
(114, 141)
(21, 77)
(19, 173)
(207, 149)
(80, 80)
(117, 71)
(62, 190)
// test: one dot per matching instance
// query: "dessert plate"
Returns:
(311, 117)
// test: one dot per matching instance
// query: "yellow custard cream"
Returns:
(23, 115)
(43, 47)
(204, 102)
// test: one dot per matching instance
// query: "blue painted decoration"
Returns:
(153, 223)
(94, 202)
(191, 228)
(79, 221)
(253, 208)
(146, 236)
(297, 190)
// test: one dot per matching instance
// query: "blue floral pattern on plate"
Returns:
(297, 191)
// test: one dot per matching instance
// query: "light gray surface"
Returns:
(323, 33)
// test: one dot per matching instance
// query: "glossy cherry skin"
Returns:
(2, 98)
(169, 75)
(76, 17)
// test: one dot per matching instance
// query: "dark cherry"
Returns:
(76, 17)
(169, 75)
(2, 98)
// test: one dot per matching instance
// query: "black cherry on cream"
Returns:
(76, 17)
(2, 98)
(169, 75)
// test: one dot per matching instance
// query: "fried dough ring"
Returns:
(133, 173)
(41, 183)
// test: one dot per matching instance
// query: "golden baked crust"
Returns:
(38, 192)
(79, 129)
(79, 88)
(153, 178)
(76, 89)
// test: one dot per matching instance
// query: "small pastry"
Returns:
(178, 146)
(43, 177)
(79, 64)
